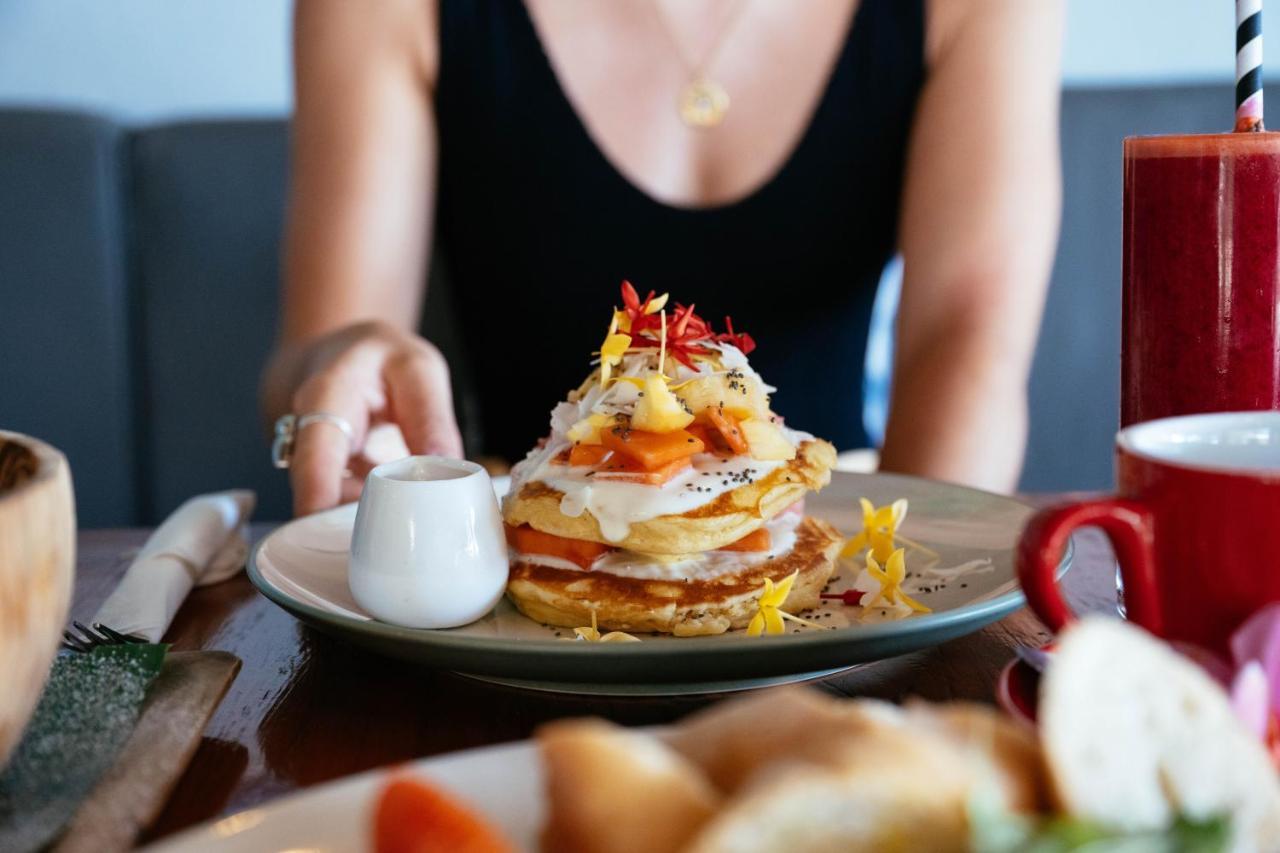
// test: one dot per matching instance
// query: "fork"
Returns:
(81, 638)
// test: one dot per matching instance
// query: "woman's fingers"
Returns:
(421, 401)
(351, 488)
(321, 449)
(373, 372)
(383, 443)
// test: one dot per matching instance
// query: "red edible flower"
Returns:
(851, 597)
(741, 340)
(638, 312)
(686, 331)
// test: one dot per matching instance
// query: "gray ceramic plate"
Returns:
(640, 689)
(302, 567)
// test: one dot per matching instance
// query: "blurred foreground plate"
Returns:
(302, 566)
(502, 782)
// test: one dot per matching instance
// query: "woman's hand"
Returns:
(390, 385)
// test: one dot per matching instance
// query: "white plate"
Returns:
(302, 566)
(502, 782)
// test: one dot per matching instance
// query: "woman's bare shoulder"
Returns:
(364, 33)
(951, 20)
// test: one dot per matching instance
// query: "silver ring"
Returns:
(288, 427)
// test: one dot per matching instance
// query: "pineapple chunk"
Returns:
(741, 396)
(659, 410)
(587, 430)
(705, 392)
(744, 397)
(766, 442)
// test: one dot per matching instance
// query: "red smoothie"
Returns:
(1201, 275)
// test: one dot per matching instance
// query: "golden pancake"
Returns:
(685, 608)
(724, 520)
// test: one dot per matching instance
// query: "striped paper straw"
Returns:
(1248, 65)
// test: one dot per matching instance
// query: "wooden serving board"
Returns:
(130, 796)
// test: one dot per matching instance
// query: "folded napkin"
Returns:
(203, 542)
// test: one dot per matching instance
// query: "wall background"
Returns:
(147, 60)
(150, 60)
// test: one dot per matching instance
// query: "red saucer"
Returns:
(1018, 691)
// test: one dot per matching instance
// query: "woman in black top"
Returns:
(759, 158)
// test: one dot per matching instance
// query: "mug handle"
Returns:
(1126, 523)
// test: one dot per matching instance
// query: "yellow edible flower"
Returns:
(768, 616)
(592, 634)
(769, 612)
(891, 578)
(611, 351)
(658, 303)
(879, 529)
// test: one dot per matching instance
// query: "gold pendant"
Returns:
(703, 103)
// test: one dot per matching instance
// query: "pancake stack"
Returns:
(667, 491)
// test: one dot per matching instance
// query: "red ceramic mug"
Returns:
(1195, 527)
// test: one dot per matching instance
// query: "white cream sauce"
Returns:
(618, 505)
(922, 581)
(930, 576)
(630, 564)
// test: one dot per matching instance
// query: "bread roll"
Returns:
(611, 790)
(1136, 735)
(997, 749)
(892, 789)
(732, 740)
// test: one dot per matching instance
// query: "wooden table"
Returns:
(307, 708)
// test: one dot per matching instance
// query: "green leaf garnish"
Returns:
(994, 830)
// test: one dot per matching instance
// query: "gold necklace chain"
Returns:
(702, 102)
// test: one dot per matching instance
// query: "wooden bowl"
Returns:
(37, 568)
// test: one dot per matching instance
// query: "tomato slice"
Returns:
(727, 426)
(621, 469)
(652, 450)
(756, 540)
(414, 817)
(527, 540)
(587, 454)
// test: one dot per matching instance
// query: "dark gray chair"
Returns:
(68, 367)
(207, 206)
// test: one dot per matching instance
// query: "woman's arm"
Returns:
(357, 241)
(979, 230)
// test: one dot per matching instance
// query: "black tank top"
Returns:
(536, 228)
